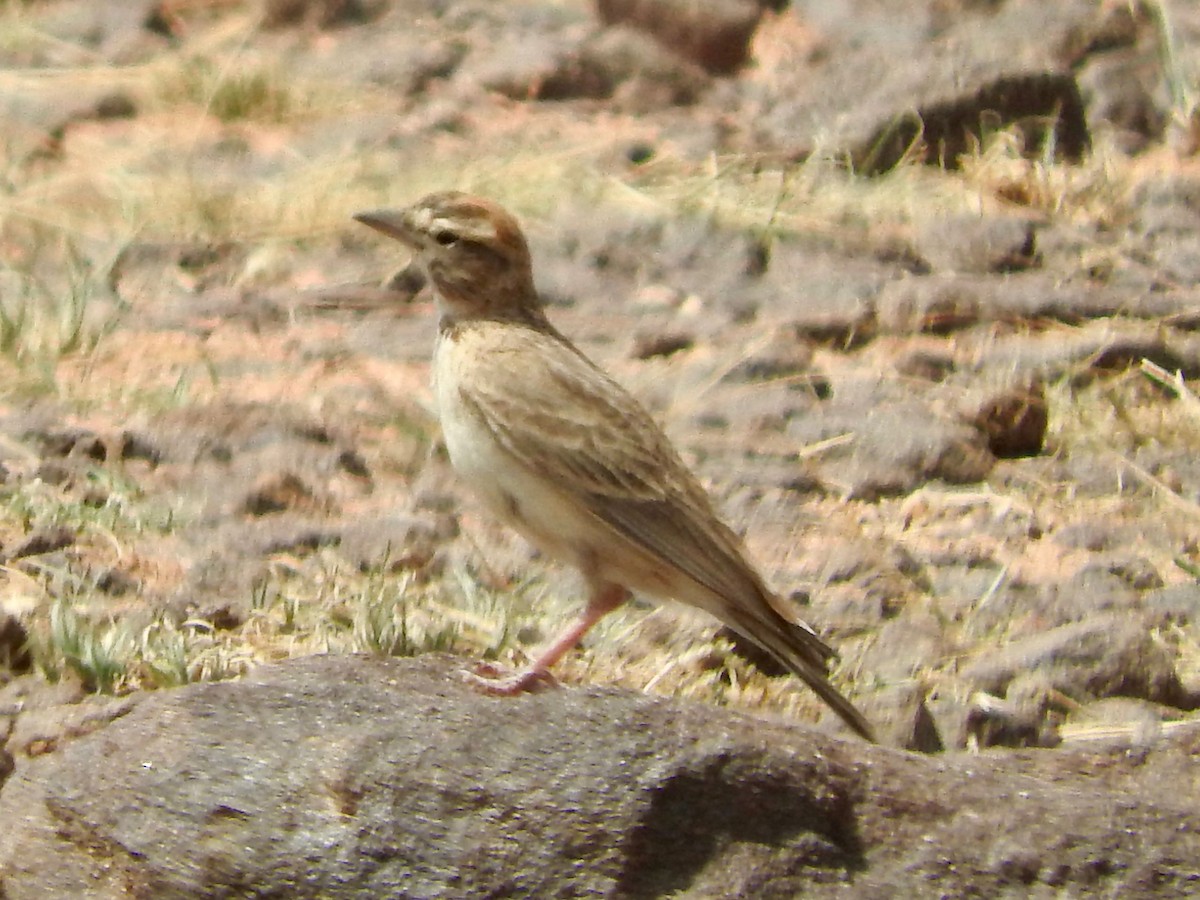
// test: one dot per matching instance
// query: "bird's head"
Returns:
(471, 249)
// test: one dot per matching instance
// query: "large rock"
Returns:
(715, 34)
(891, 81)
(371, 777)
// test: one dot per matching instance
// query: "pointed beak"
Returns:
(390, 222)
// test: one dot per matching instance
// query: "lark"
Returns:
(558, 450)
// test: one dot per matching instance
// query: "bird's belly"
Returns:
(536, 509)
(561, 529)
(532, 505)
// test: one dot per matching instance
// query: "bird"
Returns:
(557, 449)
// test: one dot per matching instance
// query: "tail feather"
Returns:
(797, 647)
(846, 710)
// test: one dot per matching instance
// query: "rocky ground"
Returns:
(913, 285)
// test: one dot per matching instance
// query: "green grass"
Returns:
(325, 608)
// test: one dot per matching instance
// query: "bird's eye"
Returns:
(446, 238)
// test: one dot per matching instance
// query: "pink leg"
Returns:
(603, 601)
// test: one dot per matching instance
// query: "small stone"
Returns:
(661, 343)
(1179, 601)
(637, 154)
(978, 244)
(715, 34)
(784, 355)
(42, 541)
(276, 493)
(1107, 655)
(1015, 421)
(14, 646)
(901, 719)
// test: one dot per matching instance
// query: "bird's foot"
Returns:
(497, 681)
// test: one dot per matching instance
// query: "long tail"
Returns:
(798, 648)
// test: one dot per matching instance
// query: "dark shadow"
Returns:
(696, 816)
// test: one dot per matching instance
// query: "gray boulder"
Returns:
(342, 777)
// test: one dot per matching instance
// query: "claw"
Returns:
(496, 681)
